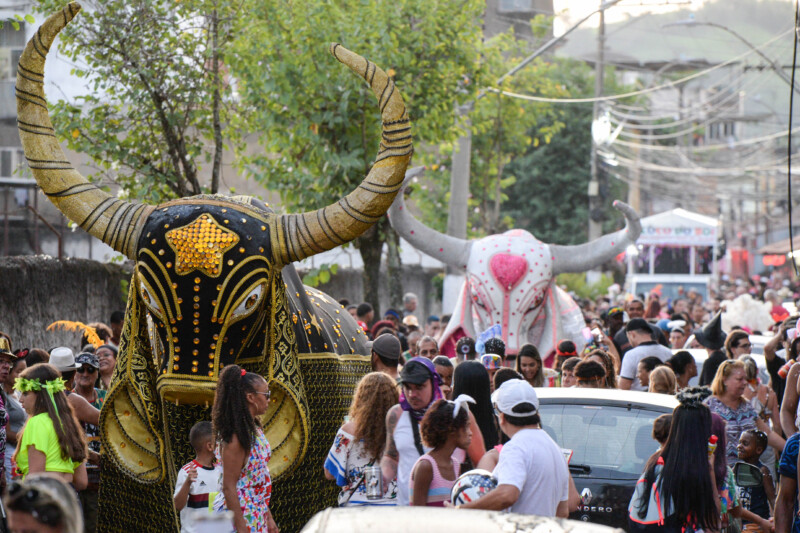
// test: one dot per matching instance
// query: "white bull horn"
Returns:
(449, 250)
(583, 257)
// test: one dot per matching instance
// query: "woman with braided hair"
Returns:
(52, 439)
(242, 450)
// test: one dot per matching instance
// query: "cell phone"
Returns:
(587, 335)
(597, 333)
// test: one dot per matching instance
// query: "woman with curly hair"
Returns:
(242, 450)
(359, 442)
(605, 359)
(444, 428)
(52, 440)
(590, 375)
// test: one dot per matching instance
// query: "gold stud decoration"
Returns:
(200, 246)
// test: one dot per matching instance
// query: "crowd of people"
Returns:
(640, 344)
(420, 419)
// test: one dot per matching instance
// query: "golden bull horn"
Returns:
(313, 232)
(116, 222)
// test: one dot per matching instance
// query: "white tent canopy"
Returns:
(679, 227)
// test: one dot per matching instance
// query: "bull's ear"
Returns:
(286, 423)
(131, 419)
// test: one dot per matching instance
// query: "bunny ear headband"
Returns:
(459, 402)
(793, 333)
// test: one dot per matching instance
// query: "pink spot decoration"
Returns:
(508, 269)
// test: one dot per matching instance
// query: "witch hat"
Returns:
(711, 335)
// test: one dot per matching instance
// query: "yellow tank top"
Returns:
(40, 433)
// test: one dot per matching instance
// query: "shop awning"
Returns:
(780, 247)
(679, 227)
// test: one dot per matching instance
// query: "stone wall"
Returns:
(38, 290)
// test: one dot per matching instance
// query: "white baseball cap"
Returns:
(513, 393)
(63, 359)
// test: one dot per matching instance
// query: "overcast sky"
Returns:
(571, 11)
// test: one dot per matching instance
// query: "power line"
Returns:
(632, 93)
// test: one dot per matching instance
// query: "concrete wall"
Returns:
(347, 284)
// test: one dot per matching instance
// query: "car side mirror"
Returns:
(747, 475)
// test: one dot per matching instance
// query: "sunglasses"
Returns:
(268, 394)
(83, 369)
(748, 345)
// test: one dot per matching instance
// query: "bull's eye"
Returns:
(477, 299)
(151, 301)
(537, 301)
(249, 303)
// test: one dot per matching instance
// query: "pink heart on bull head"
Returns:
(508, 269)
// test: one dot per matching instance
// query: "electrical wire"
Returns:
(632, 93)
(789, 137)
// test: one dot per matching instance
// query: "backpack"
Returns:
(657, 509)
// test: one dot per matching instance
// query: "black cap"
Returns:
(415, 373)
(87, 358)
(387, 346)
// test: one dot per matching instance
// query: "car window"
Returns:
(606, 441)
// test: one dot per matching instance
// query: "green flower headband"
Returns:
(34, 385)
(27, 385)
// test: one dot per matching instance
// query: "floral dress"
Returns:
(347, 460)
(254, 486)
(737, 421)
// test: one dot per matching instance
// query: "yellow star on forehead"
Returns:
(315, 323)
(201, 245)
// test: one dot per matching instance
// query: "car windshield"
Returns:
(606, 441)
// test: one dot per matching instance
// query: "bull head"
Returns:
(509, 277)
(207, 285)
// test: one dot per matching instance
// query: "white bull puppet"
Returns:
(510, 280)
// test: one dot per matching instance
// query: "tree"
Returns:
(320, 126)
(161, 102)
(550, 195)
(503, 128)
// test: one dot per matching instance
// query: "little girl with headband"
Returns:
(444, 427)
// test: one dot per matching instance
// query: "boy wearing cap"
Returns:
(386, 352)
(532, 475)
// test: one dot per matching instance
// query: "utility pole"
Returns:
(595, 226)
(457, 213)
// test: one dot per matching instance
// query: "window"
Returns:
(12, 43)
(10, 160)
(607, 441)
(515, 6)
(722, 131)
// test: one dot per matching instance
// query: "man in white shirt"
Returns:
(532, 474)
(640, 335)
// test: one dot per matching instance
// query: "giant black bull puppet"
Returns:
(214, 285)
